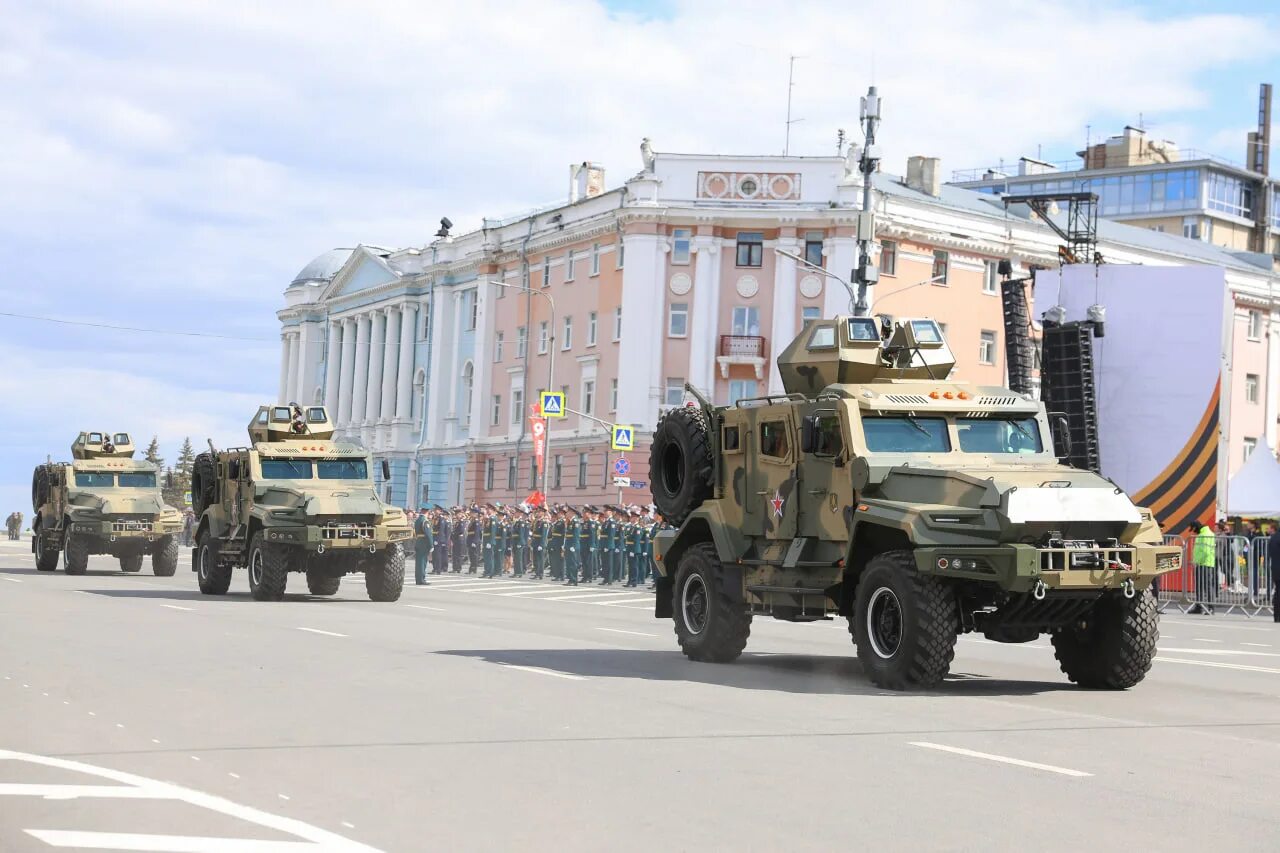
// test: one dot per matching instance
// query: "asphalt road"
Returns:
(136, 714)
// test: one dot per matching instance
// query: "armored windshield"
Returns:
(906, 434)
(286, 469)
(95, 479)
(999, 435)
(138, 480)
(342, 469)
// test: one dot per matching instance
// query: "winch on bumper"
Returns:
(124, 529)
(1029, 568)
(338, 537)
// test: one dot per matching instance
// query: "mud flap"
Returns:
(662, 597)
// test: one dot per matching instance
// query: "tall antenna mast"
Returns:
(791, 74)
(867, 273)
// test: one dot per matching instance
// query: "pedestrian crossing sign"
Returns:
(623, 437)
(552, 403)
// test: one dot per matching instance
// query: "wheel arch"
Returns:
(869, 539)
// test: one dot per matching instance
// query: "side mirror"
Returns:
(386, 470)
(809, 434)
(1061, 435)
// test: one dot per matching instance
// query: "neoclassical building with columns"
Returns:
(432, 356)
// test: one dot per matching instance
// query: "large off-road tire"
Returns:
(1114, 647)
(321, 584)
(213, 578)
(76, 554)
(268, 569)
(131, 563)
(203, 474)
(164, 557)
(384, 577)
(711, 626)
(904, 624)
(46, 557)
(680, 463)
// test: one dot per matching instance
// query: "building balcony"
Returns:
(742, 349)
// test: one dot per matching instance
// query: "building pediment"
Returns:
(364, 270)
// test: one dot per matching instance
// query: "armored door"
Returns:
(826, 487)
(773, 481)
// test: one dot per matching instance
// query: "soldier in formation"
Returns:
(13, 525)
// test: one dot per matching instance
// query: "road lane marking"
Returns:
(1003, 759)
(1259, 645)
(1219, 652)
(1220, 665)
(194, 757)
(541, 671)
(173, 843)
(234, 775)
(584, 595)
(119, 725)
(13, 580)
(318, 631)
(348, 825)
(176, 607)
(1204, 640)
(283, 796)
(1200, 623)
(74, 792)
(632, 633)
(425, 607)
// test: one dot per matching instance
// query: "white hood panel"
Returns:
(1069, 504)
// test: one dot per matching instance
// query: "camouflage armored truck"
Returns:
(294, 501)
(917, 507)
(102, 502)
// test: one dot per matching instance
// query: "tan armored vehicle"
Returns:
(917, 507)
(294, 501)
(102, 502)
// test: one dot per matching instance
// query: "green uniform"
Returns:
(557, 548)
(520, 547)
(541, 546)
(591, 553)
(610, 532)
(422, 547)
(489, 541)
(572, 555)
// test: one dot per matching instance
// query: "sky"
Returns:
(173, 165)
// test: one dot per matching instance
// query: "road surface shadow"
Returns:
(815, 674)
(196, 595)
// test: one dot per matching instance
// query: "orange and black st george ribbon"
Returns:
(1186, 490)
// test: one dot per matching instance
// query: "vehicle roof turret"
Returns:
(94, 444)
(290, 422)
(847, 349)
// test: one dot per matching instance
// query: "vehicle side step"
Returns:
(798, 591)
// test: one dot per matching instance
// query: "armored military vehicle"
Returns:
(102, 502)
(917, 507)
(294, 501)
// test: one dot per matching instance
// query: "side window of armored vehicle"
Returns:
(822, 337)
(233, 469)
(830, 443)
(731, 440)
(905, 434)
(926, 332)
(316, 415)
(280, 414)
(95, 438)
(263, 416)
(863, 329)
(121, 438)
(774, 442)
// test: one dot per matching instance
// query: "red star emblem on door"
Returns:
(777, 503)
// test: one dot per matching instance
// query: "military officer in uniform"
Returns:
(423, 542)
(591, 552)
(474, 543)
(541, 543)
(558, 529)
(440, 533)
(520, 549)
(572, 548)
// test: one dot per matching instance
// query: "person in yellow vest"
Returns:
(1203, 557)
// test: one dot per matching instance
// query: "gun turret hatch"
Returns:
(847, 350)
(100, 445)
(290, 422)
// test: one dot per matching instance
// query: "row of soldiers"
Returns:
(13, 525)
(602, 544)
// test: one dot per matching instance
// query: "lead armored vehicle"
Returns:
(102, 502)
(294, 501)
(917, 507)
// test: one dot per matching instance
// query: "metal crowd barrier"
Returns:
(1239, 580)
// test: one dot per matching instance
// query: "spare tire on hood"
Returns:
(681, 467)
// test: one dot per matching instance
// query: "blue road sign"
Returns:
(552, 403)
(622, 467)
(624, 437)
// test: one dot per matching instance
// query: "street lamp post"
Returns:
(551, 365)
(847, 285)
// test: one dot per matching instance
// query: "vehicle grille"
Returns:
(128, 525)
(997, 401)
(331, 532)
(907, 399)
(1086, 559)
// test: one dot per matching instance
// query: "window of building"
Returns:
(750, 248)
(488, 474)
(473, 308)
(741, 389)
(566, 342)
(809, 313)
(582, 470)
(589, 396)
(1191, 227)
(570, 261)
(546, 271)
(813, 247)
(511, 473)
(1255, 325)
(746, 320)
(987, 348)
(468, 390)
(888, 258)
(941, 266)
(613, 395)
(495, 411)
(426, 322)
(1250, 444)
(674, 393)
(497, 346)
(990, 277)
(678, 320)
(595, 259)
(1229, 194)
(1251, 387)
(544, 337)
(617, 323)
(517, 405)
(681, 246)
(557, 471)
(522, 342)
(591, 329)
(1144, 192)
(618, 251)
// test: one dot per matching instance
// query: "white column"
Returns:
(784, 308)
(377, 343)
(333, 368)
(390, 355)
(300, 364)
(360, 382)
(842, 254)
(283, 387)
(640, 369)
(704, 329)
(348, 370)
(291, 374)
(404, 372)
(484, 369)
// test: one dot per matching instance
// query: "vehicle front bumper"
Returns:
(146, 531)
(323, 538)
(1022, 568)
